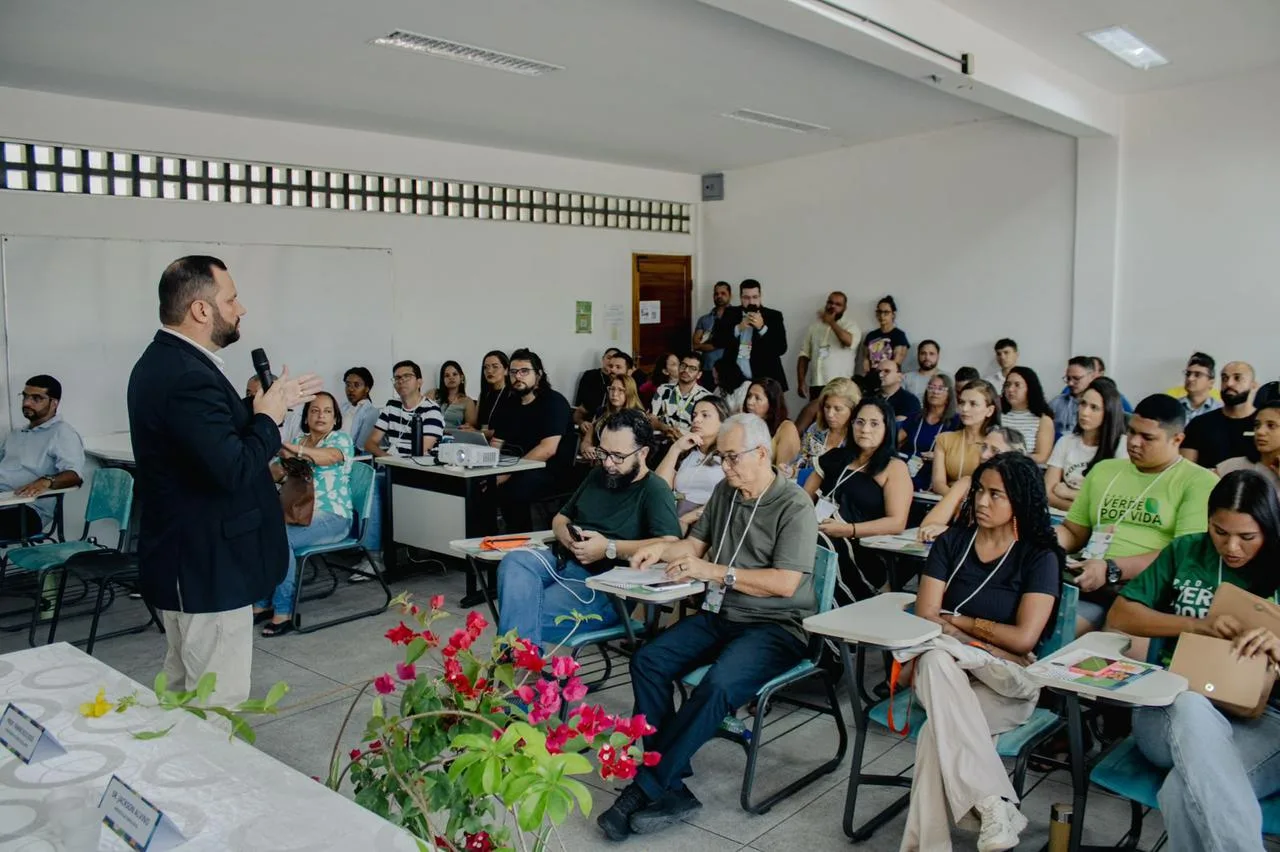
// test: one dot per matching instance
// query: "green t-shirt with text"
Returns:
(1148, 510)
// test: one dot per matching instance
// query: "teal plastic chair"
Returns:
(1125, 772)
(362, 501)
(110, 499)
(752, 739)
(1016, 745)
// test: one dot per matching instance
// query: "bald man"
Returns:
(1228, 431)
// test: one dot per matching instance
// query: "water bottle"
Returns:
(734, 725)
(415, 435)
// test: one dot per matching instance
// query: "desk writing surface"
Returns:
(1157, 689)
(459, 473)
(876, 621)
(471, 546)
(8, 498)
(647, 594)
(114, 447)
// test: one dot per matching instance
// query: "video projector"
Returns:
(468, 455)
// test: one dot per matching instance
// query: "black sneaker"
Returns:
(616, 821)
(668, 810)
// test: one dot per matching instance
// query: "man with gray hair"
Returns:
(754, 547)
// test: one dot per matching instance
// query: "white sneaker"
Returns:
(1001, 824)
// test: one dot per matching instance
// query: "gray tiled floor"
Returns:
(324, 670)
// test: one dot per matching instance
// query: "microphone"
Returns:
(262, 367)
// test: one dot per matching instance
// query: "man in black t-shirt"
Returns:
(902, 401)
(1226, 432)
(593, 384)
(535, 430)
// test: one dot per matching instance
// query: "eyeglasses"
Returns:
(616, 458)
(937, 389)
(520, 371)
(404, 377)
(690, 368)
(883, 313)
(861, 423)
(732, 459)
(33, 397)
(1071, 380)
(1196, 374)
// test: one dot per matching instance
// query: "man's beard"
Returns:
(928, 366)
(224, 333)
(615, 481)
(1234, 398)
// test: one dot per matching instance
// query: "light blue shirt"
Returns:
(29, 453)
(706, 324)
(744, 349)
(358, 422)
(1210, 404)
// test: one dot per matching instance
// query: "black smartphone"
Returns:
(575, 533)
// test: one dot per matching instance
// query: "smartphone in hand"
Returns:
(575, 533)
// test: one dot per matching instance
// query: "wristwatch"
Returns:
(1113, 572)
(730, 577)
(611, 550)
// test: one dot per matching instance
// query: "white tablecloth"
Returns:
(222, 794)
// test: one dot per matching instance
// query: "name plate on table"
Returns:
(26, 737)
(138, 822)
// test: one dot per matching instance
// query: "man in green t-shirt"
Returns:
(1130, 509)
(618, 507)
(754, 546)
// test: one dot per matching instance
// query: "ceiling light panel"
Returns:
(775, 121)
(1127, 47)
(459, 52)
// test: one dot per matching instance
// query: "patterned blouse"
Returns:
(333, 482)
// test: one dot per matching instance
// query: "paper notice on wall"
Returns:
(613, 318)
(582, 318)
(650, 313)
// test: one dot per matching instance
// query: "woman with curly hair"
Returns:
(993, 580)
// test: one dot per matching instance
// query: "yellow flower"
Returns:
(100, 706)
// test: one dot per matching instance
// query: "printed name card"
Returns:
(26, 737)
(138, 822)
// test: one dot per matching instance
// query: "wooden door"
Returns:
(664, 282)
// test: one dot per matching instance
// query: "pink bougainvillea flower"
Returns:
(430, 638)
(575, 690)
(592, 721)
(652, 758)
(476, 623)
(376, 745)
(557, 737)
(635, 727)
(406, 671)
(437, 601)
(525, 693)
(401, 634)
(563, 667)
(355, 754)
(461, 640)
(478, 842)
(527, 658)
(384, 684)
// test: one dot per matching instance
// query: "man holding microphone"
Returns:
(212, 530)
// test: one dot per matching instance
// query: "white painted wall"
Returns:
(971, 229)
(1200, 229)
(462, 287)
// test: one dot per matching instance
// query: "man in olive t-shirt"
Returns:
(754, 546)
(616, 509)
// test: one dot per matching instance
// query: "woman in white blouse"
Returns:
(691, 467)
(1099, 434)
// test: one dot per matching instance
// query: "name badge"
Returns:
(744, 350)
(714, 597)
(914, 465)
(824, 509)
(26, 738)
(1099, 542)
(137, 822)
(823, 352)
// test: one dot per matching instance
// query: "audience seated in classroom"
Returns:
(1197, 394)
(1266, 446)
(620, 396)
(730, 384)
(928, 352)
(45, 453)
(859, 491)
(831, 430)
(1225, 432)
(1219, 766)
(328, 451)
(886, 340)
(1080, 372)
(993, 580)
(829, 350)
(494, 393)
(1128, 510)
(665, 371)
(618, 507)
(919, 433)
(1000, 439)
(755, 546)
(450, 394)
(592, 384)
(1006, 350)
(766, 400)
(956, 453)
(1100, 371)
(359, 415)
(1022, 406)
(673, 404)
(692, 467)
(704, 328)
(392, 433)
(753, 335)
(902, 401)
(1099, 434)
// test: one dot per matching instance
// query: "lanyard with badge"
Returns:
(963, 557)
(826, 508)
(1100, 538)
(715, 591)
(916, 462)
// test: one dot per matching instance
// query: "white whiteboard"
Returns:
(82, 310)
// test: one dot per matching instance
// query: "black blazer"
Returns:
(213, 536)
(766, 349)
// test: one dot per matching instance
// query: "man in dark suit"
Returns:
(753, 335)
(212, 540)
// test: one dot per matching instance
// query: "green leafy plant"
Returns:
(193, 701)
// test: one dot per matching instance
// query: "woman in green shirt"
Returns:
(1219, 766)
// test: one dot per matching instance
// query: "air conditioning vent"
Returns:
(776, 121)
(460, 52)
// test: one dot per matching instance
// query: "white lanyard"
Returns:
(840, 480)
(985, 580)
(724, 534)
(915, 442)
(964, 452)
(1137, 502)
(1274, 597)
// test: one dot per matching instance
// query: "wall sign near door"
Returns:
(651, 312)
(582, 318)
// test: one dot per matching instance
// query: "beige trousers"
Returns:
(956, 761)
(218, 642)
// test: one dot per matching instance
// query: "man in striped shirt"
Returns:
(396, 415)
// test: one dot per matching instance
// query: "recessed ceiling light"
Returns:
(776, 121)
(1127, 47)
(460, 52)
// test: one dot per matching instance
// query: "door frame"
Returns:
(635, 290)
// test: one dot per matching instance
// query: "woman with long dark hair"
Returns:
(993, 579)
(450, 394)
(1023, 407)
(918, 434)
(1266, 445)
(493, 393)
(766, 400)
(862, 490)
(692, 466)
(1219, 766)
(1099, 434)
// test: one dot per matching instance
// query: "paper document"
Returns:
(625, 578)
(1096, 670)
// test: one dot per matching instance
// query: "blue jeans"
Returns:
(1218, 769)
(325, 528)
(530, 598)
(372, 540)
(743, 658)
